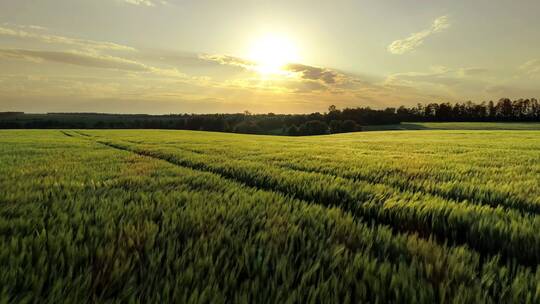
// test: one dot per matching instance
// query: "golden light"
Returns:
(272, 53)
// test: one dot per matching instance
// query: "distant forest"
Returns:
(334, 121)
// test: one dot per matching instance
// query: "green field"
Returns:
(455, 126)
(450, 216)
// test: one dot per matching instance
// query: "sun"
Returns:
(271, 53)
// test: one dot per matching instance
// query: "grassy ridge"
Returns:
(417, 217)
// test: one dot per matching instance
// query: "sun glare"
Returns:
(272, 53)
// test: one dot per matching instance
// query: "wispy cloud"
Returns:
(437, 75)
(27, 27)
(228, 60)
(55, 39)
(75, 58)
(91, 60)
(415, 40)
(145, 2)
(472, 71)
(531, 67)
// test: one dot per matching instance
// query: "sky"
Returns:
(294, 56)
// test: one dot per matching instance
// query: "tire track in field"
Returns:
(408, 234)
(509, 203)
(506, 201)
(524, 207)
(520, 205)
(456, 236)
(393, 258)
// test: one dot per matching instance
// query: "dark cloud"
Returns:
(315, 73)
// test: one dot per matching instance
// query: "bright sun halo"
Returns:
(272, 53)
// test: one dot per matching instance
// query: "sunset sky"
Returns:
(171, 56)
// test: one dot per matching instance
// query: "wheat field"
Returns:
(450, 216)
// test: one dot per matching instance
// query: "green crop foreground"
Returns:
(449, 216)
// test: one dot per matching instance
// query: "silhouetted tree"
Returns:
(293, 131)
(350, 126)
(504, 108)
(334, 121)
(314, 127)
(247, 127)
(335, 126)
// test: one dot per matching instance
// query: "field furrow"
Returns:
(174, 217)
(487, 230)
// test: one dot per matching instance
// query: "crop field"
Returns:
(449, 216)
(456, 126)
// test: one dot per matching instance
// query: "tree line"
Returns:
(333, 121)
(505, 110)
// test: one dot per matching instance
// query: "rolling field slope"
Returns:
(456, 126)
(429, 216)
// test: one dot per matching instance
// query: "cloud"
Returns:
(415, 40)
(531, 67)
(55, 39)
(413, 78)
(91, 60)
(229, 60)
(151, 75)
(145, 2)
(304, 72)
(76, 58)
(27, 27)
(314, 73)
(472, 71)
(438, 75)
